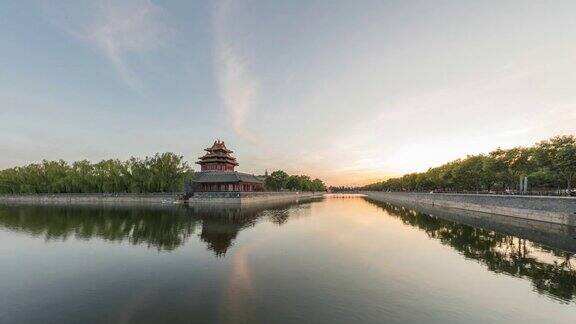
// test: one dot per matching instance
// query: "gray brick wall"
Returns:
(560, 210)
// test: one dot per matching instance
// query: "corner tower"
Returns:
(217, 173)
(217, 158)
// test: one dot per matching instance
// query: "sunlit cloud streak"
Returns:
(238, 87)
(117, 29)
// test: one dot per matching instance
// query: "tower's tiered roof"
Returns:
(218, 153)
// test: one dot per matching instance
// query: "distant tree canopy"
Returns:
(550, 164)
(164, 172)
(280, 180)
(343, 189)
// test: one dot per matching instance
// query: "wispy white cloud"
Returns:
(116, 28)
(238, 87)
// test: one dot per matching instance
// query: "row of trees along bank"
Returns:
(164, 172)
(548, 165)
(280, 180)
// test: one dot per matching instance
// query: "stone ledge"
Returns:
(558, 210)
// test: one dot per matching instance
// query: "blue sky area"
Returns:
(349, 91)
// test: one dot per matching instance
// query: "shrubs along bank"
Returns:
(548, 165)
(164, 172)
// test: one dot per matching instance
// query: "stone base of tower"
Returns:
(210, 181)
(243, 198)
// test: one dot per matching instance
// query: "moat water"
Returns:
(336, 260)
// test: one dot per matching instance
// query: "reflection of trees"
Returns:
(551, 271)
(162, 227)
(279, 217)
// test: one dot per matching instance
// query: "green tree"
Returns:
(559, 153)
(276, 180)
(546, 164)
(318, 185)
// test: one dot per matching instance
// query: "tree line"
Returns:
(280, 180)
(164, 172)
(337, 189)
(548, 165)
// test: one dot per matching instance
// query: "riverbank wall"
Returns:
(557, 210)
(88, 199)
(549, 234)
(247, 198)
(242, 198)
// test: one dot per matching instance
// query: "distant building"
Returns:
(217, 172)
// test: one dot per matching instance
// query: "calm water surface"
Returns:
(336, 260)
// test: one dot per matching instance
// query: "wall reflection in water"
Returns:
(162, 227)
(552, 271)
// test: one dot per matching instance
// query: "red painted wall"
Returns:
(217, 167)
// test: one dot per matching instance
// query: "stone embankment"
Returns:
(80, 199)
(558, 210)
(250, 197)
(158, 198)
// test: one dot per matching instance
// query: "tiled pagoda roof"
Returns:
(218, 153)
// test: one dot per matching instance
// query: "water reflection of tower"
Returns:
(222, 224)
(219, 235)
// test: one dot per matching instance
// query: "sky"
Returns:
(347, 91)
